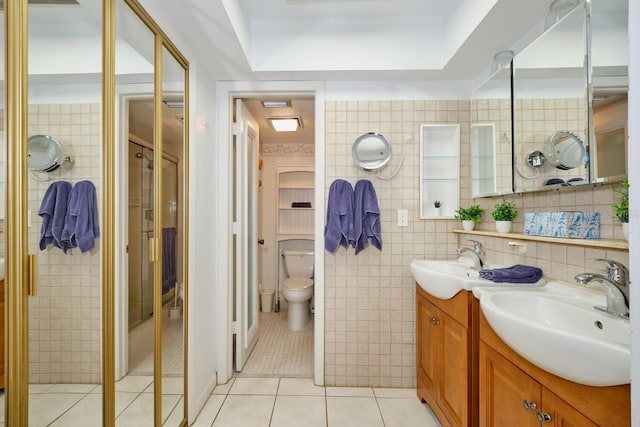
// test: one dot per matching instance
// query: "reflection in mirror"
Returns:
(65, 315)
(550, 96)
(134, 332)
(173, 277)
(491, 158)
(610, 81)
(371, 151)
(44, 153)
(565, 150)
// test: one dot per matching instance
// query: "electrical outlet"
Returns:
(403, 218)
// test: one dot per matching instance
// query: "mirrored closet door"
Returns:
(94, 160)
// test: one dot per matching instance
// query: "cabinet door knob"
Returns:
(529, 406)
(543, 417)
(434, 321)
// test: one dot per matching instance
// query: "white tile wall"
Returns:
(65, 315)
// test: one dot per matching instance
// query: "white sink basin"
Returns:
(557, 329)
(444, 279)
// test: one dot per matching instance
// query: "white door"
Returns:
(246, 229)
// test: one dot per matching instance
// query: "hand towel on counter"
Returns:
(515, 274)
(169, 276)
(53, 211)
(366, 216)
(338, 231)
(81, 223)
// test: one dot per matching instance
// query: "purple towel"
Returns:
(515, 274)
(366, 216)
(81, 223)
(169, 276)
(53, 211)
(338, 231)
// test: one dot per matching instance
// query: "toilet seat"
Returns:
(297, 283)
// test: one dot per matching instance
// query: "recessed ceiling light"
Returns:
(285, 124)
(276, 104)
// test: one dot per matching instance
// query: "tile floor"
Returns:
(280, 352)
(298, 402)
(61, 405)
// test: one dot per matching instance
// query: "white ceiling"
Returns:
(330, 40)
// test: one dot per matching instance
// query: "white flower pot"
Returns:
(625, 230)
(436, 211)
(503, 226)
(468, 225)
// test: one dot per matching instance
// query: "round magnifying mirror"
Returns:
(565, 150)
(44, 153)
(371, 151)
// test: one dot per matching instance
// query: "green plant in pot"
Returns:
(469, 216)
(504, 213)
(622, 208)
(437, 204)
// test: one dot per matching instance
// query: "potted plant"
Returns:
(504, 213)
(437, 204)
(622, 208)
(469, 216)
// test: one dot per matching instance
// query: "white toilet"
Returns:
(297, 288)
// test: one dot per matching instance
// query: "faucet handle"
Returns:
(616, 270)
(477, 246)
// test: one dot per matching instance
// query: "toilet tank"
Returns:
(298, 262)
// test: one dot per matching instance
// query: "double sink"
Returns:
(552, 325)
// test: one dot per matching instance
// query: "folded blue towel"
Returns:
(338, 231)
(53, 211)
(81, 223)
(515, 274)
(366, 216)
(552, 181)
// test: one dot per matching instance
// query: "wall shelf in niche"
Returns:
(601, 243)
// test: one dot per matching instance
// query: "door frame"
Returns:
(227, 92)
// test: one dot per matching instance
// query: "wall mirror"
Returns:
(371, 151)
(610, 83)
(45, 153)
(550, 105)
(491, 142)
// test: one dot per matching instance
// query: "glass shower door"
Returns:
(140, 230)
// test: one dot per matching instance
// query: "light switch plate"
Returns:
(403, 218)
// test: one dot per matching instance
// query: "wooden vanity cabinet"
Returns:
(446, 356)
(514, 392)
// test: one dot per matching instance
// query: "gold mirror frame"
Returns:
(18, 269)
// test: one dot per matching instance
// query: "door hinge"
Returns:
(234, 327)
(234, 228)
(234, 128)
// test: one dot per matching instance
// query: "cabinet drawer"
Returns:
(458, 307)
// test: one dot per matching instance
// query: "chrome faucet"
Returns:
(477, 253)
(615, 285)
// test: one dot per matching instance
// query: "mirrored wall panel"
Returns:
(491, 142)
(610, 81)
(551, 107)
(135, 292)
(173, 234)
(64, 202)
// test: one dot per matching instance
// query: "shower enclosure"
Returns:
(141, 217)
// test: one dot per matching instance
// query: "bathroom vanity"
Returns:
(447, 338)
(515, 392)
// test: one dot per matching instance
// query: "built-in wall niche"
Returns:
(439, 170)
(295, 201)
